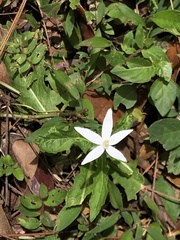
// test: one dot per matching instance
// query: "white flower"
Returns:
(104, 142)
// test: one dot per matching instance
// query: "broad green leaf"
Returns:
(55, 197)
(131, 184)
(163, 95)
(114, 57)
(139, 36)
(106, 82)
(127, 218)
(96, 42)
(167, 132)
(30, 223)
(28, 212)
(171, 207)
(168, 20)
(38, 54)
(66, 216)
(154, 230)
(46, 220)
(125, 95)
(128, 43)
(82, 186)
(18, 174)
(105, 223)
(37, 96)
(99, 189)
(124, 14)
(127, 235)
(57, 136)
(74, 3)
(158, 57)
(100, 12)
(43, 191)
(31, 202)
(174, 161)
(115, 196)
(69, 24)
(135, 75)
(63, 81)
(51, 9)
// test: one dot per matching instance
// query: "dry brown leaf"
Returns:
(4, 224)
(146, 151)
(101, 104)
(26, 157)
(3, 74)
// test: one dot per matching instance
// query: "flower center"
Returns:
(106, 144)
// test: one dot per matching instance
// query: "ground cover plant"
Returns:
(89, 110)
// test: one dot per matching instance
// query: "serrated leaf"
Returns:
(57, 136)
(82, 186)
(167, 132)
(168, 20)
(163, 95)
(131, 184)
(135, 75)
(96, 42)
(66, 216)
(125, 95)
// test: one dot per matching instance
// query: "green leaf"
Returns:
(105, 223)
(100, 12)
(114, 57)
(115, 196)
(167, 132)
(51, 9)
(18, 174)
(69, 24)
(74, 3)
(163, 95)
(55, 197)
(31, 202)
(96, 42)
(37, 96)
(168, 20)
(139, 36)
(154, 230)
(154, 53)
(145, 199)
(30, 223)
(43, 191)
(82, 186)
(28, 212)
(127, 235)
(174, 161)
(63, 81)
(38, 54)
(171, 207)
(56, 136)
(131, 184)
(66, 216)
(45, 219)
(99, 188)
(125, 95)
(124, 14)
(139, 74)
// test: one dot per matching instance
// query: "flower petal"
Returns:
(89, 135)
(113, 152)
(107, 125)
(117, 137)
(93, 154)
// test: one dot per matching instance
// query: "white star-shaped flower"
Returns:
(104, 142)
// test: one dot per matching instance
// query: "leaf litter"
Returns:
(58, 71)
